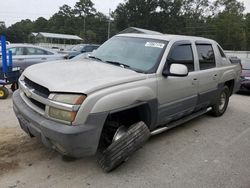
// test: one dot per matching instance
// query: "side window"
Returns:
(89, 48)
(17, 51)
(37, 51)
(221, 51)
(206, 56)
(182, 54)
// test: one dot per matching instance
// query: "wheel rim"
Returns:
(223, 99)
(1, 93)
(119, 133)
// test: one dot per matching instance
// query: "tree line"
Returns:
(222, 20)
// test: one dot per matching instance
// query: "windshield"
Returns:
(245, 63)
(137, 53)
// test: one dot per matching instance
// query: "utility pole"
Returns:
(84, 28)
(109, 23)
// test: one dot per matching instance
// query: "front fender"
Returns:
(123, 98)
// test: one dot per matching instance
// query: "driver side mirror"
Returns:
(177, 70)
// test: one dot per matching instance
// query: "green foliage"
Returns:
(20, 31)
(67, 20)
(84, 8)
(222, 20)
(247, 27)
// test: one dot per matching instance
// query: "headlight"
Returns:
(68, 99)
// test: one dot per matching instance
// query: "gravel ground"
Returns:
(206, 152)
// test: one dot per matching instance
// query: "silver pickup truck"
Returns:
(134, 86)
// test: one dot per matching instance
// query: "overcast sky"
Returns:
(12, 11)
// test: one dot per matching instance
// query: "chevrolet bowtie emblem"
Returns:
(28, 93)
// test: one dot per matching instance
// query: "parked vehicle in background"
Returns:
(25, 55)
(82, 56)
(79, 49)
(245, 75)
(134, 86)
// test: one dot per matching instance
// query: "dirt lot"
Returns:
(206, 152)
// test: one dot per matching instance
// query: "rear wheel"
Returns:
(219, 108)
(124, 141)
(4, 92)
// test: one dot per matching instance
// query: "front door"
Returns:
(178, 95)
(18, 57)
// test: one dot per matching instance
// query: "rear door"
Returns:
(208, 74)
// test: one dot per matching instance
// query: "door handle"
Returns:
(194, 81)
(215, 77)
(20, 59)
(44, 58)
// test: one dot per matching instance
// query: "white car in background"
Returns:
(25, 55)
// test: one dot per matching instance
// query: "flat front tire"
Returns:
(121, 149)
(220, 106)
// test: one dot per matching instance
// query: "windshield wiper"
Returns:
(124, 66)
(96, 58)
(118, 64)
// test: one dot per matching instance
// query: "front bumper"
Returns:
(75, 141)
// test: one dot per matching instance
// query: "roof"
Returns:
(33, 34)
(58, 36)
(139, 30)
(165, 37)
(14, 45)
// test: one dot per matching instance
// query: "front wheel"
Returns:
(123, 144)
(220, 106)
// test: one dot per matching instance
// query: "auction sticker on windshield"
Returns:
(155, 44)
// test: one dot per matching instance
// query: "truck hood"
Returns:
(83, 76)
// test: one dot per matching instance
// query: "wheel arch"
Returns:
(230, 84)
(143, 111)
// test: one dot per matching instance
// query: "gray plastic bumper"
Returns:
(76, 141)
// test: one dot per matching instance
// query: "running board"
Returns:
(179, 122)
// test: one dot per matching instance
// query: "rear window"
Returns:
(221, 52)
(37, 51)
(206, 56)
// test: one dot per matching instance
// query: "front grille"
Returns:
(38, 104)
(40, 90)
